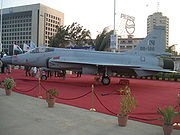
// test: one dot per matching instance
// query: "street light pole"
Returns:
(114, 17)
(1, 28)
(113, 37)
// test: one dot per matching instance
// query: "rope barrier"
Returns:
(69, 98)
(129, 116)
(142, 118)
(115, 92)
(144, 113)
(104, 105)
(39, 84)
(26, 90)
(74, 97)
(43, 87)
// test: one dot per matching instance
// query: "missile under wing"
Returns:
(144, 60)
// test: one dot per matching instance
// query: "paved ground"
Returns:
(25, 115)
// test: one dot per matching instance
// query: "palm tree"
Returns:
(73, 34)
(171, 49)
(77, 35)
(102, 41)
(60, 39)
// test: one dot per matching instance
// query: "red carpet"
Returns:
(77, 92)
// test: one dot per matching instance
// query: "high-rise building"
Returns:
(29, 24)
(158, 19)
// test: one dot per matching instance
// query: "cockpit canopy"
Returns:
(41, 50)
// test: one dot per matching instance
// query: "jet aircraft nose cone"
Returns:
(7, 60)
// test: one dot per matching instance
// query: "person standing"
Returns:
(27, 69)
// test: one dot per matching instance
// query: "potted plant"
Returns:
(168, 115)
(50, 97)
(127, 104)
(8, 84)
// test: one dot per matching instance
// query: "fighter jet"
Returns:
(144, 60)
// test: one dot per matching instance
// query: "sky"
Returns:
(95, 15)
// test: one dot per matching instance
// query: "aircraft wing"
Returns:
(91, 62)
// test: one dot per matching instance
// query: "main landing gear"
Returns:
(105, 77)
(105, 80)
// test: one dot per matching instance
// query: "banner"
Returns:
(114, 41)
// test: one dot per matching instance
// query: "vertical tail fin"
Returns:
(153, 44)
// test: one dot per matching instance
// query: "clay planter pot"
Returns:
(8, 92)
(51, 102)
(167, 130)
(122, 120)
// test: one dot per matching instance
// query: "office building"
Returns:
(30, 23)
(159, 20)
(125, 44)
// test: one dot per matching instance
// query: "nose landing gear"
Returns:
(43, 77)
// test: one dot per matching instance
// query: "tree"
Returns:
(60, 39)
(102, 41)
(171, 49)
(71, 35)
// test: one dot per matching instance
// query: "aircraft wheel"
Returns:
(105, 80)
(43, 77)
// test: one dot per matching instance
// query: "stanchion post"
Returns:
(92, 104)
(39, 85)
(178, 110)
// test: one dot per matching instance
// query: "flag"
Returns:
(0, 47)
(32, 45)
(17, 48)
(26, 47)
